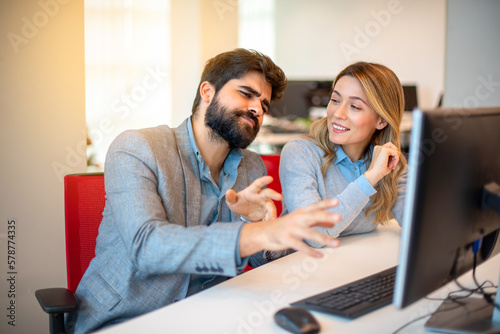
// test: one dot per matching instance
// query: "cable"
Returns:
(486, 295)
(420, 318)
(411, 322)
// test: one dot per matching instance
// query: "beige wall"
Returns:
(318, 38)
(186, 55)
(42, 124)
(472, 54)
(219, 27)
(200, 29)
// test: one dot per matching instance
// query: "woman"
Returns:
(353, 154)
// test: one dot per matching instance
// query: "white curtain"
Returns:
(127, 62)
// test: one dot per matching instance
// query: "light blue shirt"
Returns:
(212, 194)
(354, 171)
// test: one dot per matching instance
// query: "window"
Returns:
(256, 25)
(127, 62)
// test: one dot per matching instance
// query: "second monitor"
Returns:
(302, 95)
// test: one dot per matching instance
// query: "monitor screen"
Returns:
(411, 100)
(454, 154)
(300, 96)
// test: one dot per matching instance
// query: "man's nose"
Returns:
(255, 108)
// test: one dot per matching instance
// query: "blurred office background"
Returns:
(143, 58)
(76, 69)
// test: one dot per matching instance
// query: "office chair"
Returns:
(84, 199)
(272, 163)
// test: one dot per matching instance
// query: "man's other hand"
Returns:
(254, 203)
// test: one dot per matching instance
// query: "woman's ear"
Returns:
(207, 91)
(382, 123)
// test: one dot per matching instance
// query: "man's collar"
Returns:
(192, 140)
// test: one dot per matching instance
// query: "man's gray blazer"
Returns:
(144, 252)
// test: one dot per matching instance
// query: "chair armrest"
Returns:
(56, 300)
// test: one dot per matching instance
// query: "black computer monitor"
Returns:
(411, 99)
(300, 96)
(452, 202)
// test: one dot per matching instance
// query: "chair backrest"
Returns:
(84, 199)
(272, 163)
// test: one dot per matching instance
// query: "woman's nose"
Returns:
(340, 112)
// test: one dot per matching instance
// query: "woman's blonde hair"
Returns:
(385, 94)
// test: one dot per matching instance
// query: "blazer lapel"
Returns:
(192, 185)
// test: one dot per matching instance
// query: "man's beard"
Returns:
(225, 125)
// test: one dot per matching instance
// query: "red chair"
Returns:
(272, 163)
(84, 199)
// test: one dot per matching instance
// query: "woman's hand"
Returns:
(385, 159)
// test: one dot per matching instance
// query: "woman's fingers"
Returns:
(389, 155)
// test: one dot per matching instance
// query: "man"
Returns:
(180, 201)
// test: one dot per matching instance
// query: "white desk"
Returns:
(246, 304)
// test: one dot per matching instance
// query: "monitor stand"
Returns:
(467, 315)
(470, 315)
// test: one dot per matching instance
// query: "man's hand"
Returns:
(253, 202)
(289, 231)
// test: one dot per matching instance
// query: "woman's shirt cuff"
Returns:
(365, 185)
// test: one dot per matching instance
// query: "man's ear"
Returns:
(207, 91)
(382, 123)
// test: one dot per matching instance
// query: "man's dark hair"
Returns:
(235, 65)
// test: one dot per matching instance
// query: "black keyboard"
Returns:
(355, 298)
